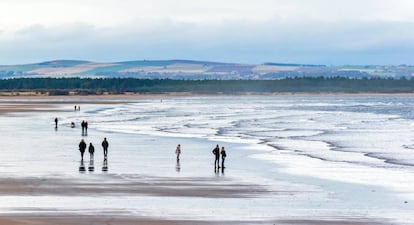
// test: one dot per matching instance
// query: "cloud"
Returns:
(322, 32)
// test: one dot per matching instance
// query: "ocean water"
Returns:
(355, 152)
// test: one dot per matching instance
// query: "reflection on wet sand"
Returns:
(105, 165)
(178, 166)
(82, 167)
(91, 167)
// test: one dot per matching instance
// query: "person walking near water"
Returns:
(82, 147)
(56, 122)
(86, 127)
(216, 152)
(223, 156)
(178, 152)
(105, 145)
(91, 150)
(83, 127)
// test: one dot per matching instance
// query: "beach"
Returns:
(278, 170)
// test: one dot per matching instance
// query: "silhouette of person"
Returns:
(75, 107)
(178, 152)
(56, 122)
(216, 152)
(83, 127)
(82, 147)
(223, 157)
(91, 150)
(86, 127)
(105, 146)
(72, 124)
(78, 107)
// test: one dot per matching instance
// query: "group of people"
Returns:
(216, 151)
(84, 126)
(77, 108)
(83, 145)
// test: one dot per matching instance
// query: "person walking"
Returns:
(56, 122)
(82, 147)
(91, 150)
(105, 146)
(83, 127)
(86, 127)
(216, 152)
(223, 156)
(178, 152)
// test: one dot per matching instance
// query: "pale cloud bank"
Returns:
(318, 31)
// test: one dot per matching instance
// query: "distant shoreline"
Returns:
(27, 95)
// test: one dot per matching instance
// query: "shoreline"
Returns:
(161, 188)
(190, 94)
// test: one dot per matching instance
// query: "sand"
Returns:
(117, 220)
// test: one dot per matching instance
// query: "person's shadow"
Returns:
(105, 165)
(91, 167)
(82, 167)
(178, 166)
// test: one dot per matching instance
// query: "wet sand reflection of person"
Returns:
(91, 167)
(82, 167)
(105, 165)
(178, 166)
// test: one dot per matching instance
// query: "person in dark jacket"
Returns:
(105, 146)
(91, 150)
(82, 147)
(86, 127)
(216, 152)
(56, 122)
(83, 127)
(178, 152)
(223, 156)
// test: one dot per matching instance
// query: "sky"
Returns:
(330, 32)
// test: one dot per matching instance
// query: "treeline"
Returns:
(64, 86)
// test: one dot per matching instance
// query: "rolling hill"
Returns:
(195, 70)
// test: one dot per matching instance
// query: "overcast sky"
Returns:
(332, 32)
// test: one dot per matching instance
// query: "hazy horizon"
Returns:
(365, 32)
(196, 60)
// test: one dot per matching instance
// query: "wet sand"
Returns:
(71, 219)
(189, 187)
(134, 185)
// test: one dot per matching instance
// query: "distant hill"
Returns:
(195, 70)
